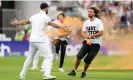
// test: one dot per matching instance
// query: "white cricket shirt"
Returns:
(39, 23)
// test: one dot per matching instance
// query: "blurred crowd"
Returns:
(116, 16)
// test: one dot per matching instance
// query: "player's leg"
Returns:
(62, 56)
(54, 57)
(32, 51)
(46, 49)
(35, 61)
(83, 51)
(41, 69)
(94, 48)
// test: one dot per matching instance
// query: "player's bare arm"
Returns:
(22, 22)
(51, 23)
(66, 32)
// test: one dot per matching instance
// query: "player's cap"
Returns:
(43, 5)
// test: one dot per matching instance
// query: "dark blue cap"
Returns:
(43, 5)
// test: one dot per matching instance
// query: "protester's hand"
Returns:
(88, 37)
(88, 41)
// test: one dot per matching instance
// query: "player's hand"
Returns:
(65, 25)
(68, 28)
(14, 22)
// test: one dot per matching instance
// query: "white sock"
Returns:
(75, 70)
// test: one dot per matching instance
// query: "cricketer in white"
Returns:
(39, 40)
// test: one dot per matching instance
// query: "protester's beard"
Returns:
(46, 12)
(90, 16)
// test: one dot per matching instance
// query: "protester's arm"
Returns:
(100, 33)
(100, 30)
(84, 33)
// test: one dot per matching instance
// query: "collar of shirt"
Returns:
(42, 11)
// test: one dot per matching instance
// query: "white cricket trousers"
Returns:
(43, 47)
(36, 59)
(44, 66)
(37, 55)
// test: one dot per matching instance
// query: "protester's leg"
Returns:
(83, 51)
(94, 48)
(57, 47)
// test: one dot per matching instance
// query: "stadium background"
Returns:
(114, 60)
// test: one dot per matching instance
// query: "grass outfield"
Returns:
(11, 66)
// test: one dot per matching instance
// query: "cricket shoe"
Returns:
(49, 77)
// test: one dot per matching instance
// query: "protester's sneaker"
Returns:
(83, 75)
(49, 77)
(61, 69)
(72, 73)
(21, 77)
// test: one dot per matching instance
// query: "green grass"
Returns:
(11, 66)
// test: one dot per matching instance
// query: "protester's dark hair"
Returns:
(63, 14)
(96, 11)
